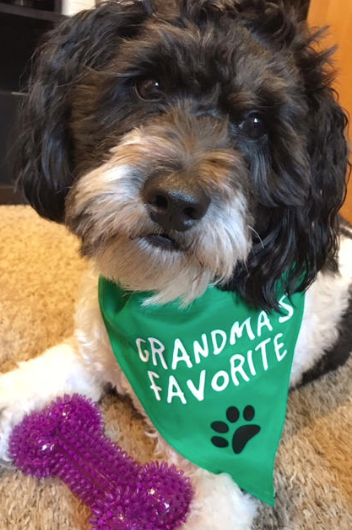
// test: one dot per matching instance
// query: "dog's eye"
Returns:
(253, 126)
(149, 89)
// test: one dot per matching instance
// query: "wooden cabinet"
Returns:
(338, 15)
(21, 28)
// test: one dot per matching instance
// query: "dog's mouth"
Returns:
(163, 241)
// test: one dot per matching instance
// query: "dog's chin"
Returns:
(155, 263)
(170, 265)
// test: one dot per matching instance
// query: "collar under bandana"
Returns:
(213, 378)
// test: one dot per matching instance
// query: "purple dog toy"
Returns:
(66, 440)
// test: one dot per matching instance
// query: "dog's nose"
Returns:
(174, 205)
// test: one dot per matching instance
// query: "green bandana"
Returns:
(213, 378)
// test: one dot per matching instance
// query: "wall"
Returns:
(338, 15)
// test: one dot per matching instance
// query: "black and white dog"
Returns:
(186, 143)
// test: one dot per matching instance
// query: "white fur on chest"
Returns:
(326, 301)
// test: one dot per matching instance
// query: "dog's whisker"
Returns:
(256, 233)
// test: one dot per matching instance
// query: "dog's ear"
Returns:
(89, 39)
(316, 224)
(303, 240)
(326, 141)
(327, 145)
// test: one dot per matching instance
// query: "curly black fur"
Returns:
(81, 101)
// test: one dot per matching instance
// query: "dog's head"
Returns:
(190, 143)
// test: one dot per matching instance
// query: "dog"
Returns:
(188, 144)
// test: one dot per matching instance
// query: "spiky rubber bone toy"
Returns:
(66, 440)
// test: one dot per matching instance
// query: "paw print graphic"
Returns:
(242, 434)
